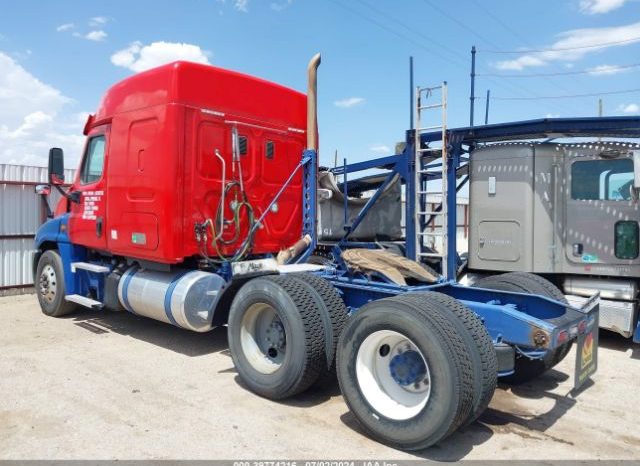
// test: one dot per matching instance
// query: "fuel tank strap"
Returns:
(125, 290)
(169, 293)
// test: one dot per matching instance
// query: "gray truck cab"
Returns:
(568, 212)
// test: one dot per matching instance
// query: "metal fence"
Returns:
(22, 211)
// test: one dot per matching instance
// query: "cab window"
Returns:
(93, 163)
(602, 180)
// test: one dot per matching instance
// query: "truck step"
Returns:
(90, 267)
(84, 301)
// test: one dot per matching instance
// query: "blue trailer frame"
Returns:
(513, 318)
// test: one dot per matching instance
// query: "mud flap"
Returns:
(587, 345)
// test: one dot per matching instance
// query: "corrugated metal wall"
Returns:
(21, 213)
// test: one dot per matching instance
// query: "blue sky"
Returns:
(57, 59)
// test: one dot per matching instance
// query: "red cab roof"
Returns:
(208, 87)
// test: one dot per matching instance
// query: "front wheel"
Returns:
(50, 286)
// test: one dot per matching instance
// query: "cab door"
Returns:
(87, 219)
(602, 228)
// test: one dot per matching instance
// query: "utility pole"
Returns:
(600, 107)
(486, 108)
(473, 84)
(411, 96)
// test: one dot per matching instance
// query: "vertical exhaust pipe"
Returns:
(312, 103)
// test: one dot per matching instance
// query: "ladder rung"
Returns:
(430, 192)
(431, 212)
(422, 89)
(431, 233)
(431, 149)
(430, 254)
(427, 107)
(429, 128)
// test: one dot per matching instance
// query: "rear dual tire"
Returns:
(410, 371)
(283, 332)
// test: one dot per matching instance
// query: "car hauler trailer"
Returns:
(566, 211)
(196, 204)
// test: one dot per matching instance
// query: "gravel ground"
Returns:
(107, 385)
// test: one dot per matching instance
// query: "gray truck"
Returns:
(568, 212)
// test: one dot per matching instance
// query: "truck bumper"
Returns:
(617, 316)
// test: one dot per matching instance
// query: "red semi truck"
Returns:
(195, 204)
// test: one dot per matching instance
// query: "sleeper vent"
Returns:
(242, 143)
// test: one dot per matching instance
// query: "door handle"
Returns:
(99, 227)
(577, 249)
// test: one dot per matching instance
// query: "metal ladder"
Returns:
(422, 216)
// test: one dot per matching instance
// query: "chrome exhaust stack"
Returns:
(312, 103)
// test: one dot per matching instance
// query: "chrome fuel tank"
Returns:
(183, 298)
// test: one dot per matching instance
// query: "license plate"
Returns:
(587, 351)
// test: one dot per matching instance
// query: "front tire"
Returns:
(50, 285)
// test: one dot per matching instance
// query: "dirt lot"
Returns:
(109, 385)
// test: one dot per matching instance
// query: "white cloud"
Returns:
(380, 149)
(605, 70)
(241, 5)
(32, 118)
(96, 36)
(629, 108)
(279, 6)
(65, 27)
(98, 21)
(138, 57)
(581, 41)
(594, 7)
(349, 102)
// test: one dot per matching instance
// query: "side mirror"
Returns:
(636, 169)
(56, 166)
(43, 189)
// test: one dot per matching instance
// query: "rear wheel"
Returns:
(522, 282)
(404, 372)
(481, 350)
(276, 336)
(334, 316)
(50, 285)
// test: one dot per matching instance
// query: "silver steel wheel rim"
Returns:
(378, 376)
(48, 283)
(263, 338)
